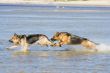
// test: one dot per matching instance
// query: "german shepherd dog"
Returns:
(26, 40)
(67, 38)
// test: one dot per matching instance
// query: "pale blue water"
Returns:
(86, 21)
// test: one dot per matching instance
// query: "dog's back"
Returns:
(33, 38)
(75, 39)
(39, 39)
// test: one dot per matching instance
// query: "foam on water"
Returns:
(103, 48)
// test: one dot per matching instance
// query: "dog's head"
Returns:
(55, 37)
(15, 39)
(59, 36)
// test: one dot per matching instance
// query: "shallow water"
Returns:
(86, 21)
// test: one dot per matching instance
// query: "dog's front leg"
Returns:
(25, 48)
(40, 42)
(24, 45)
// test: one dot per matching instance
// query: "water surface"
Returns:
(86, 21)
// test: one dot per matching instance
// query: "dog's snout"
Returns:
(11, 41)
(52, 39)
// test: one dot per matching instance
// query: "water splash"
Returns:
(103, 48)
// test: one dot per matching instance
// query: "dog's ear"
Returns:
(15, 34)
(57, 33)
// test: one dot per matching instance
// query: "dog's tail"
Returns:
(88, 44)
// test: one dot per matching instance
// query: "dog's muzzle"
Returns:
(52, 39)
(11, 41)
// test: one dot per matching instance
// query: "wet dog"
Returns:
(67, 38)
(26, 40)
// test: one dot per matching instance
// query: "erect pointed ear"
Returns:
(15, 34)
(57, 33)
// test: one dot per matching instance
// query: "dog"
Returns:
(68, 38)
(26, 40)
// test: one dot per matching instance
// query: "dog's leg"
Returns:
(42, 42)
(24, 44)
(89, 45)
(25, 48)
(50, 43)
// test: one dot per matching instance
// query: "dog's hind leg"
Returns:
(49, 43)
(42, 42)
(89, 45)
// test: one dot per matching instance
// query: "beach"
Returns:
(90, 2)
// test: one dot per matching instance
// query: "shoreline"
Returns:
(71, 3)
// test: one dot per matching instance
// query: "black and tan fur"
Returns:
(67, 38)
(26, 40)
